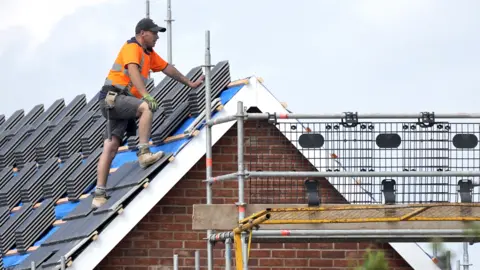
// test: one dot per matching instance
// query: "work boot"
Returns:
(147, 158)
(98, 200)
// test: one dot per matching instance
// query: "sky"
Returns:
(318, 56)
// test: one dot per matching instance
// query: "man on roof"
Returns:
(124, 98)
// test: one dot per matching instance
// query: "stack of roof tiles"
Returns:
(220, 78)
(47, 155)
(179, 94)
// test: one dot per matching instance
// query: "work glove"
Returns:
(152, 103)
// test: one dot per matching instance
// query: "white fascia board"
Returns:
(411, 252)
(159, 186)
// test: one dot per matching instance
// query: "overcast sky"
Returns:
(330, 56)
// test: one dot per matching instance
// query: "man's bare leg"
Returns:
(144, 123)
(145, 157)
(110, 149)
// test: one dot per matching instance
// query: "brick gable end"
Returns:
(167, 229)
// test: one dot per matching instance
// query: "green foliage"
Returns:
(373, 260)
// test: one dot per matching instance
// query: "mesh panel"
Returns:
(368, 146)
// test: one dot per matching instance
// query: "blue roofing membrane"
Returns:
(45, 241)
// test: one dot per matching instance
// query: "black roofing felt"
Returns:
(48, 160)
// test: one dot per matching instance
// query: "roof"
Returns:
(48, 160)
(40, 216)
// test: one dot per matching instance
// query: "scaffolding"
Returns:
(384, 168)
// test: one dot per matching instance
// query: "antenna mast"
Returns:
(148, 8)
(147, 11)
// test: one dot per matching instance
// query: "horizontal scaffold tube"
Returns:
(223, 177)
(354, 232)
(232, 176)
(364, 174)
(339, 116)
(221, 120)
(373, 115)
(247, 116)
(388, 233)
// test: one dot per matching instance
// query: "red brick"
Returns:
(161, 218)
(296, 262)
(183, 218)
(259, 253)
(121, 261)
(160, 235)
(320, 263)
(167, 229)
(170, 244)
(174, 210)
(195, 244)
(135, 252)
(172, 227)
(342, 263)
(333, 254)
(145, 244)
(308, 254)
(147, 261)
(186, 236)
(271, 262)
(346, 245)
(283, 253)
(321, 245)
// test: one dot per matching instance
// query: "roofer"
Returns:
(124, 98)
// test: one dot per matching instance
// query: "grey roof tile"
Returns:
(56, 152)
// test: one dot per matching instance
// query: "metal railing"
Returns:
(422, 159)
(428, 161)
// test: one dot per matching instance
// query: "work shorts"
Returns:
(122, 117)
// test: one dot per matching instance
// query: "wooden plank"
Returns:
(60, 201)
(238, 82)
(243, 81)
(181, 136)
(167, 140)
(224, 217)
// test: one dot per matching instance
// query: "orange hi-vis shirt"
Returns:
(133, 52)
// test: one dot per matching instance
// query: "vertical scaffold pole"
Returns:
(209, 140)
(228, 254)
(197, 260)
(169, 32)
(241, 176)
(175, 261)
(466, 264)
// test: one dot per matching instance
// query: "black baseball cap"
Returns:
(147, 24)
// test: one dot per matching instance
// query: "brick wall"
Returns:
(167, 229)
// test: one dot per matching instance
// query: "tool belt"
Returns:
(110, 99)
(111, 94)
